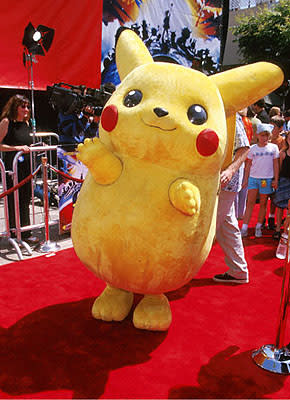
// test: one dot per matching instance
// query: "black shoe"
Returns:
(271, 223)
(229, 279)
(276, 235)
(33, 240)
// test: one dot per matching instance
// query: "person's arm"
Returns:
(239, 158)
(92, 129)
(6, 147)
(282, 155)
(247, 173)
(3, 128)
(276, 173)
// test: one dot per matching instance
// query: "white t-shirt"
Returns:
(262, 160)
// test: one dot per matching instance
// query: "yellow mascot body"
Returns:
(144, 221)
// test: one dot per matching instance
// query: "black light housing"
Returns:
(37, 41)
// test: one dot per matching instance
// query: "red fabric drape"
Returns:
(75, 53)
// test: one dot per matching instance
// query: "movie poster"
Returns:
(68, 189)
(187, 32)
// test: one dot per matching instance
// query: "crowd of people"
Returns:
(259, 173)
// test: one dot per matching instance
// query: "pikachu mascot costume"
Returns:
(145, 218)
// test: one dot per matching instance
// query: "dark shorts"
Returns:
(282, 194)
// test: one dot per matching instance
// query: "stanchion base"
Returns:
(272, 359)
(49, 247)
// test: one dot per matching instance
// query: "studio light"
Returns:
(37, 40)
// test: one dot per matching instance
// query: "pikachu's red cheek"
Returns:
(207, 142)
(109, 117)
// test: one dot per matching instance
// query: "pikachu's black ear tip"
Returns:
(118, 33)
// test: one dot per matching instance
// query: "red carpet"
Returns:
(51, 347)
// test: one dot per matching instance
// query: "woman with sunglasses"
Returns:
(15, 136)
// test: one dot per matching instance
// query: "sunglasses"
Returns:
(25, 106)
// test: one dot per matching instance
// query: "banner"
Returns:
(75, 53)
(68, 189)
(187, 32)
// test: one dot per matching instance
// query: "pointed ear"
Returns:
(243, 86)
(130, 52)
(231, 132)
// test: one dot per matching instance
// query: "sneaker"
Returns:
(229, 279)
(244, 232)
(271, 223)
(258, 231)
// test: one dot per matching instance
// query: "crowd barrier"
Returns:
(18, 243)
(48, 153)
(49, 138)
(6, 232)
(43, 148)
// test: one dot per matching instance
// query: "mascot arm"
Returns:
(102, 164)
(184, 196)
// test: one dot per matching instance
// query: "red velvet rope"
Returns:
(29, 177)
(65, 175)
(19, 184)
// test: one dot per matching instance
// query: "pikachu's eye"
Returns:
(133, 98)
(197, 114)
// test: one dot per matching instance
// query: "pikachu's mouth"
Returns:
(165, 126)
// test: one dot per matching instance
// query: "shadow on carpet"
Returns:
(62, 347)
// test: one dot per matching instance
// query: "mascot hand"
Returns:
(103, 165)
(185, 197)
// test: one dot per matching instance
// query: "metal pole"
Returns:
(33, 123)
(45, 197)
(276, 358)
(47, 246)
(280, 337)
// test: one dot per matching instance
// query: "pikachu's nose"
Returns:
(160, 112)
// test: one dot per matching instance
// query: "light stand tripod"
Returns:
(30, 60)
(35, 41)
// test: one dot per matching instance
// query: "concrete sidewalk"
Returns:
(7, 252)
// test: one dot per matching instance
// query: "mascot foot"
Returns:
(153, 313)
(113, 304)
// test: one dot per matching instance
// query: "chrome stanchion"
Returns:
(47, 246)
(276, 357)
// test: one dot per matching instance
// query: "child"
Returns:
(282, 194)
(278, 134)
(277, 138)
(274, 111)
(262, 166)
